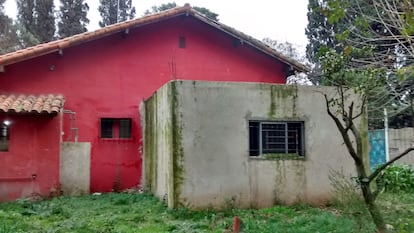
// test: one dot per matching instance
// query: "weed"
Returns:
(346, 193)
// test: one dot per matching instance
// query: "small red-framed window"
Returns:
(116, 128)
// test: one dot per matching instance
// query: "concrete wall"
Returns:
(399, 140)
(209, 161)
(75, 163)
(157, 139)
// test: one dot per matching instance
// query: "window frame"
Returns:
(117, 132)
(256, 145)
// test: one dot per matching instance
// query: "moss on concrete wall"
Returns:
(177, 156)
(279, 95)
(150, 147)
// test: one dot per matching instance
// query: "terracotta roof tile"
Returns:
(57, 45)
(49, 104)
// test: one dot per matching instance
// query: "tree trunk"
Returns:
(373, 209)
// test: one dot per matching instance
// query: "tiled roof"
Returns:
(40, 104)
(58, 45)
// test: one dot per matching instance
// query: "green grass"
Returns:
(126, 212)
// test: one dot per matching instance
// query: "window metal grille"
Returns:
(276, 138)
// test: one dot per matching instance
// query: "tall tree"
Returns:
(202, 10)
(45, 20)
(36, 20)
(319, 31)
(26, 22)
(321, 34)
(25, 14)
(9, 40)
(374, 41)
(73, 17)
(115, 11)
(376, 60)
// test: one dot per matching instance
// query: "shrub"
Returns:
(397, 178)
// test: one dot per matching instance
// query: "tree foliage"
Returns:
(371, 35)
(73, 17)
(45, 20)
(36, 21)
(115, 11)
(372, 56)
(156, 9)
(291, 51)
(206, 12)
(202, 10)
(319, 31)
(9, 40)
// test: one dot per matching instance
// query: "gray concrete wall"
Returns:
(157, 127)
(75, 167)
(399, 140)
(215, 168)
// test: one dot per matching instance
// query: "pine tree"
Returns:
(36, 21)
(26, 22)
(45, 20)
(115, 11)
(319, 31)
(73, 17)
(9, 40)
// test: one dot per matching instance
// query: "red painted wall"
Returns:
(31, 166)
(109, 77)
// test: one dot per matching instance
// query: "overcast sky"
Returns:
(283, 20)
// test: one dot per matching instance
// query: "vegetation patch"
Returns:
(134, 212)
(397, 178)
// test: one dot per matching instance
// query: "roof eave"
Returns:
(59, 45)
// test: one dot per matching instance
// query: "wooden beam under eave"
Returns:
(2, 69)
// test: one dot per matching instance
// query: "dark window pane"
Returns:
(254, 138)
(125, 128)
(107, 127)
(295, 138)
(4, 138)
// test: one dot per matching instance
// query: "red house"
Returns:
(88, 87)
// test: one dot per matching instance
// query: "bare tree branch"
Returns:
(343, 132)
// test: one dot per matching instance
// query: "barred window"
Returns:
(276, 137)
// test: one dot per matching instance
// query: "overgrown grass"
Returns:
(127, 212)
